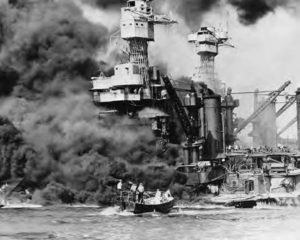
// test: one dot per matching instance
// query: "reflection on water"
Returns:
(198, 222)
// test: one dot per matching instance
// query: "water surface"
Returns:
(201, 222)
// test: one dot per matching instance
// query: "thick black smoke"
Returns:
(48, 48)
(62, 150)
(14, 152)
(109, 3)
(249, 11)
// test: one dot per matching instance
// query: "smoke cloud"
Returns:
(193, 11)
(249, 11)
(63, 151)
(50, 133)
(14, 152)
(48, 47)
(108, 3)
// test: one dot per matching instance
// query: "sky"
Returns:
(265, 56)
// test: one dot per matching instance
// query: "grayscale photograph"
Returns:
(149, 119)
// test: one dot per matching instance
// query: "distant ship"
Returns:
(246, 179)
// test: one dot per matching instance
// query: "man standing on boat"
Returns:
(157, 197)
(133, 189)
(140, 190)
(122, 202)
(119, 187)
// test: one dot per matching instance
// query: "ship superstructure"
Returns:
(202, 108)
(136, 86)
(134, 83)
(207, 41)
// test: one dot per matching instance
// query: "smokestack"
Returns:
(298, 116)
(213, 123)
(228, 105)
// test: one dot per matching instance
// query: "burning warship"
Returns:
(213, 161)
(168, 132)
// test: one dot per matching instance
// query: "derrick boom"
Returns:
(262, 107)
(183, 117)
(286, 106)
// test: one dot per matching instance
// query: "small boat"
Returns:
(244, 203)
(163, 207)
(163, 204)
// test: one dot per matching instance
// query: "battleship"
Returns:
(171, 97)
(205, 110)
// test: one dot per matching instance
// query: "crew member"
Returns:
(168, 194)
(141, 193)
(157, 196)
(133, 189)
(119, 187)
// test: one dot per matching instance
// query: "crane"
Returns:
(290, 123)
(289, 103)
(183, 117)
(262, 107)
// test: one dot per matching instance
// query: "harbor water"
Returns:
(199, 222)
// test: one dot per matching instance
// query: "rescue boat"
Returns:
(148, 204)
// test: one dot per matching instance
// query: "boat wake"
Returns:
(21, 205)
(178, 210)
(115, 211)
(83, 206)
(273, 206)
(200, 207)
(200, 210)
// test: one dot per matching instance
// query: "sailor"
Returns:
(133, 189)
(140, 190)
(157, 196)
(119, 187)
(168, 194)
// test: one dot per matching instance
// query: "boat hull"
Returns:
(162, 208)
(242, 204)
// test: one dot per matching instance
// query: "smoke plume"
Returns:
(192, 11)
(14, 152)
(108, 3)
(63, 151)
(49, 47)
(250, 11)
